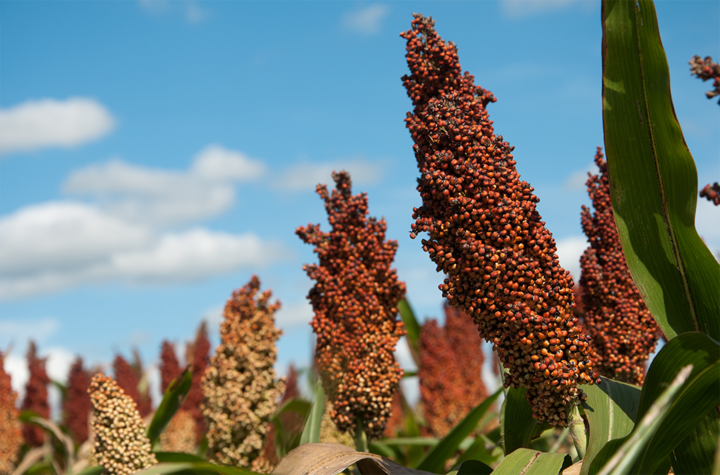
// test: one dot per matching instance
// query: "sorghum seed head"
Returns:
(36, 396)
(711, 193)
(11, 434)
(706, 69)
(77, 405)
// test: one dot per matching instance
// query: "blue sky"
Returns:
(155, 154)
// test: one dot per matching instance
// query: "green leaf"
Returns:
(194, 468)
(413, 330)
(300, 406)
(177, 457)
(95, 470)
(517, 426)
(478, 451)
(696, 454)
(471, 467)
(532, 462)
(653, 178)
(311, 431)
(418, 441)
(435, 459)
(611, 409)
(696, 398)
(175, 395)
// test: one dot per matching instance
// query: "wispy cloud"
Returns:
(525, 8)
(190, 9)
(569, 250)
(305, 176)
(576, 180)
(46, 123)
(367, 20)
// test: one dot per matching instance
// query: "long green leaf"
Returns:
(175, 395)
(696, 454)
(697, 397)
(611, 409)
(471, 467)
(653, 178)
(300, 406)
(194, 468)
(95, 470)
(413, 330)
(435, 459)
(177, 457)
(517, 425)
(532, 462)
(311, 431)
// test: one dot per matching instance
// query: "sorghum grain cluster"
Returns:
(36, 396)
(711, 193)
(179, 436)
(77, 405)
(706, 69)
(241, 392)
(121, 446)
(623, 331)
(169, 365)
(485, 232)
(128, 378)
(198, 358)
(355, 300)
(11, 434)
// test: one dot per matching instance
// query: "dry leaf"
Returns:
(330, 459)
(573, 469)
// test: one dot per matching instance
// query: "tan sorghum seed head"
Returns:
(179, 436)
(240, 388)
(355, 301)
(485, 232)
(623, 331)
(11, 434)
(121, 446)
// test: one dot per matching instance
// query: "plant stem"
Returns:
(361, 444)
(577, 431)
(560, 440)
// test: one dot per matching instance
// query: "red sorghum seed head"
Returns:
(198, 358)
(241, 392)
(169, 365)
(355, 301)
(485, 232)
(395, 421)
(36, 396)
(706, 69)
(128, 377)
(77, 406)
(623, 331)
(11, 434)
(711, 193)
(121, 446)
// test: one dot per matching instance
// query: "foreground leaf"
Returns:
(472, 467)
(413, 330)
(30, 417)
(517, 425)
(653, 177)
(195, 468)
(532, 462)
(611, 409)
(434, 461)
(330, 459)
(173, 398)
(311, 431)
(696, 454)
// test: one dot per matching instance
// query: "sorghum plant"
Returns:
(179, 436)
(355, 300)
(707, 69)
(169, 365)
(241, 392)
(36, 396)
(198, 357)
(451, 362)
(623, 331)
(711, 193)
(11, 434)
(77, 405)
(121, 446)
(128, 378)
(486, 234)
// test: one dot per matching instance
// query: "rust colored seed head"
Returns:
(623, 331)
(36, 396)
(485, 233)
(77, 405)
(241, 392)
(121, 446)
(169, 366)
(711, 193)
(129, 380)
(198, 357)
(11, 434)
(706, 69)
(355, 302)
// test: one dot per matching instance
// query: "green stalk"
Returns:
(577, 431)
(361, 443)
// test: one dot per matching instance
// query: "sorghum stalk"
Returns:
(241, 392)
(77, 405)
(355, 300)
(36, 396)
(121, 446)
(11, 434)
(622, 329)
(486, 234)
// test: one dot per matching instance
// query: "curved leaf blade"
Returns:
(696, 454)
(653, 177)
(311, 431)
(532, 462)
(516, 422)
(175, 395)
(472, 467)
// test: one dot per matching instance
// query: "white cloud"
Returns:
(306, 176)
(366, 20)
(294, 314)
(44, 123)
(166, 197)
(576, 180)
(524, 8)
(56, 246)
(569, 250)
